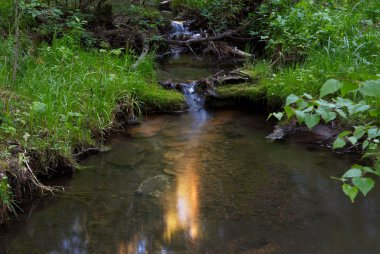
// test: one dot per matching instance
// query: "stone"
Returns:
(125, 154)
(153, 185)
(277, 134)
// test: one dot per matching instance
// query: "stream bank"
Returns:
(202, 182)
(240, 93)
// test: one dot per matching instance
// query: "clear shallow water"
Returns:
(218, 186)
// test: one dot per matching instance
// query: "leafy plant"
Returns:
(366, 135)
(6, 196)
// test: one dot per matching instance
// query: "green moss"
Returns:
(242, 91)
(157, 99)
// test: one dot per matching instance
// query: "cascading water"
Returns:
(205, 183)
(180, 31)
(179, 28)
(195, 102)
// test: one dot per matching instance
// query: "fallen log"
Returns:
(223, 50)
(203, 39)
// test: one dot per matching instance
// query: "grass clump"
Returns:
(65, 96)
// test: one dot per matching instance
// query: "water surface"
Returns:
(216, 186)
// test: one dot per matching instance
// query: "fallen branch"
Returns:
(204, 39)
(223, 50)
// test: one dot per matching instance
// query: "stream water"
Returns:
(201, 182)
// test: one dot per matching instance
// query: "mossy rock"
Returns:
(232, 95)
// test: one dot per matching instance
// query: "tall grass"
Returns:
(65, 96)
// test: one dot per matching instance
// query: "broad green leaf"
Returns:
(311, 120)
(370, 170)
(353, 172)
(348, 87)
(352, 139)
(359, 131)
(291, 99)
(364, 184)
(322, 112)
(373, 133)
(300, 115)
(309, 109)
(278, 115)
(350, 191)
(308, 96)
(357, 108)
(371, 88)
(301, 104)
(341, 113)
(289, 111)
(365, 144)
(339, 143)
(329, 87)
(325, 103)
(330, 116)
(344, 134)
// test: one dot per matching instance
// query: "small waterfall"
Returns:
(179, 29)
(195, 102)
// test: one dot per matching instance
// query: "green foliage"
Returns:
(198, 4)
(6, 196)
(6, 14)
(66, 95)
(318, 41)
(365, 135)
(219, 15)
(146, 16)
(291, 30)
(49, 19)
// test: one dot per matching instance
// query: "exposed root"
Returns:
(34, 180)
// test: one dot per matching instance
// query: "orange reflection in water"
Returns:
(183, 206)
(138, 244)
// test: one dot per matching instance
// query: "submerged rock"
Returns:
(127, 154)
(174, 156)
(169, 172)
(153, 185)
(319, 134)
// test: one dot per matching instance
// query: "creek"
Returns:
(201, 182)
